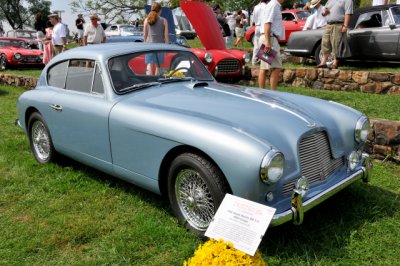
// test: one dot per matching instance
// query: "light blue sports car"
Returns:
(153, 115)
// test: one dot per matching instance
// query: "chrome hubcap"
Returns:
(40, 140)
(194, 199)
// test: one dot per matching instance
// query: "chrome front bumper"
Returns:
(296, 213)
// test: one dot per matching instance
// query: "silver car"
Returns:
(153, 115)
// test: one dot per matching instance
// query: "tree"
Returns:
(19, 13)
(111, 10)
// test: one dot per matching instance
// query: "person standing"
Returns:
(231, 20)
(316, 20)
(155, 30)
(240, 28)
(257, 23)
(48, 46)
(379, 2)
(79, 25)
(337, 13)
(271, 30)
(59, 35)
(94, 32)
(220, 18)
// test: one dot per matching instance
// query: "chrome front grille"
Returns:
(228, 65)
(316, 162)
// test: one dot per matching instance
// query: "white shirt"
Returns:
(59, 32)
(319, 20)
(93, 34)
(272, 14)
(256, 14)
(310, 22)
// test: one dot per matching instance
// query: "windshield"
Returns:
(396, 14)
(303, 15)
(13, 43)
(139, 70)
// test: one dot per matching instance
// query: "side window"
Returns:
(288, 17)
(98, 87)
(80, 75)
(114, 28)
(369, 20)
(57, 75)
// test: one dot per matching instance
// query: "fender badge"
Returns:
(312, 125)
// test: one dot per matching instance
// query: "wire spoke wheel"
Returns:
(40, 140)
(194, 199)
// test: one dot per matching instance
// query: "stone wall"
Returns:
(384, 139)
(335, 79)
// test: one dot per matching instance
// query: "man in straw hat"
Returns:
(94, 32)
(59, 35)
(320, 20)
(337, 14)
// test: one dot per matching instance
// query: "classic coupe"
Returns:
(153, 115)
(292, 20)
(16, 52)
(373, 36)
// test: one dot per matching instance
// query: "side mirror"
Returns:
(392, 26)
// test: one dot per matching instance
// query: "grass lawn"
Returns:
(70, 214)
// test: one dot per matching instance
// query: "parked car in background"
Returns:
(227, 65)
(292, 20)
(28, 35)
(153, 115)
(16, 53)
(123, 30)
(373, 35)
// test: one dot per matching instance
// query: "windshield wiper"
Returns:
(140, 86)
(175, 79)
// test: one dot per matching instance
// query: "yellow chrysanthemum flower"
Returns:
(216, 253)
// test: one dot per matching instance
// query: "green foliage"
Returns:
(70, 214)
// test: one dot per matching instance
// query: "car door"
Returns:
(80, 112)
(290, 23)
(372, 38)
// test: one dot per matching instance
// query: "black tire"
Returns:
(40, 140)
(3, 62)
(196, 188)
(318, 54)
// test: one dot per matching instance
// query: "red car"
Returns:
(15, 52)
(292, 20)
(224, 64)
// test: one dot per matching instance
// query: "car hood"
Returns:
(205, 25)
(24, 51)
(260, 114)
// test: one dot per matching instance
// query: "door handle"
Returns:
(56, 107)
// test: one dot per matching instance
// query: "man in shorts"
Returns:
(271, 30)
(337, 13)
(79, 25)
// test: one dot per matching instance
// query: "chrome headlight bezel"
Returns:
(17, 56)
(208, 58)
(362, 129)
(272, 166)
(246, 57)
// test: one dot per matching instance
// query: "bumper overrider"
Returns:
(296, 213)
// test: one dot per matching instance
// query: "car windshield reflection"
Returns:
(146, 69)
(396, 14)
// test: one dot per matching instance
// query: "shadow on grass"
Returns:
(114, 182)
(327, 229)
(3, 92)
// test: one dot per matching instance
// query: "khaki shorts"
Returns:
(330, 38)
(277, 63)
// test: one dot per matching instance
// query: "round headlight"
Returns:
(271, 169)
(17, 56)
(246, 57)
(362, 129)
(354, 160)
(208, 57)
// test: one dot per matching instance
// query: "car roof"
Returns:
(358, 12)
(109, 50)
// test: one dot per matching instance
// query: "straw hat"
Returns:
(314, 3)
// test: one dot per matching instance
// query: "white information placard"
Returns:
(241, 222)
